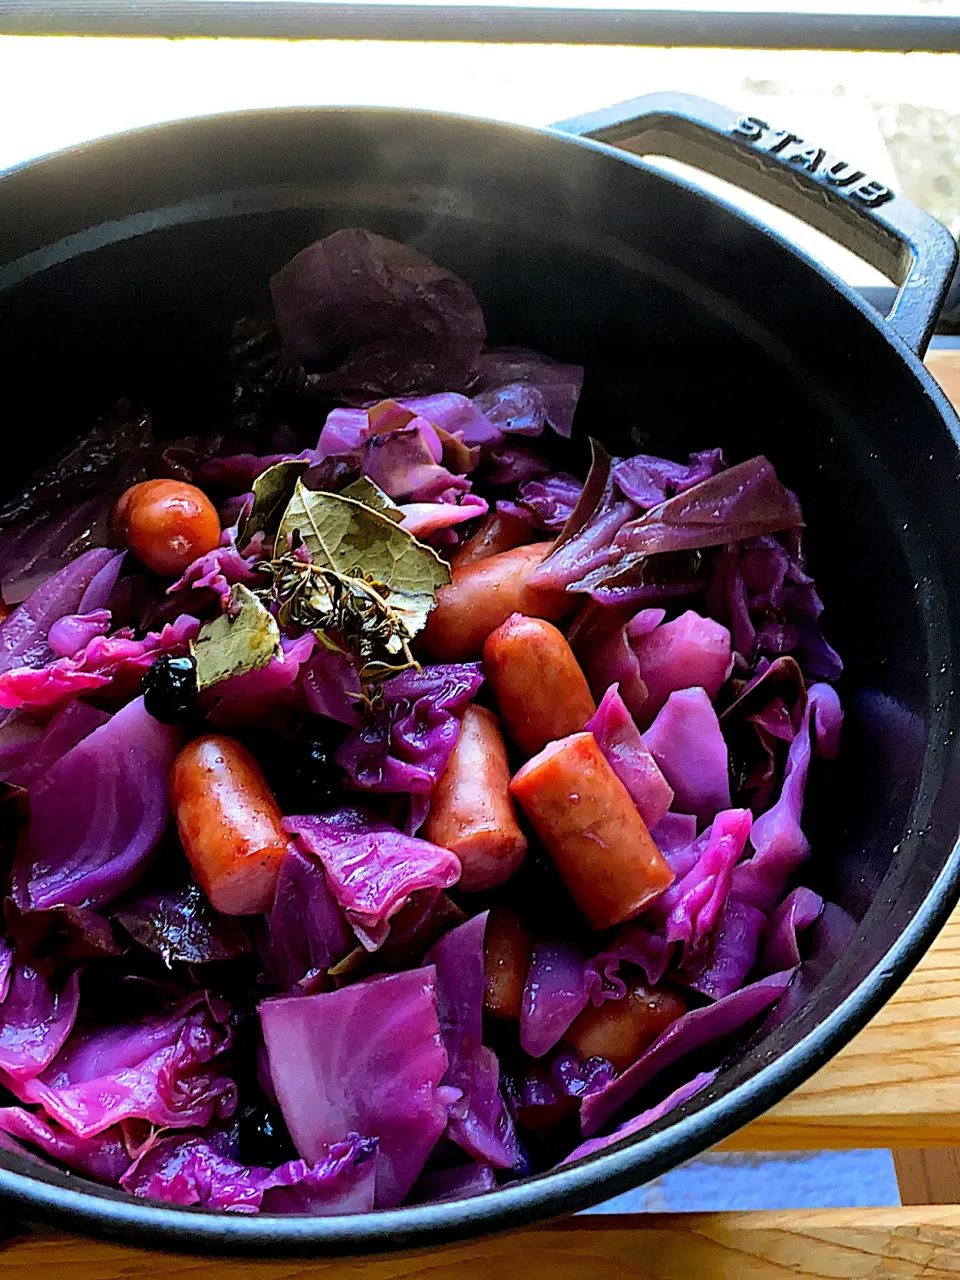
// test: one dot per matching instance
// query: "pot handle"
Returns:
(902, 241)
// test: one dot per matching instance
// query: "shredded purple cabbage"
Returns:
(191, 1171)
(523, 392)
(218, 571)
(101, 661)
(404, 746)
(547, 503)
(554, 993)
(371, 317)
(371, 868)
(305, 932)
(35, 1019)
(98, 814)
(23, 635)
(795, 914)
(162, 1069)
(455, 1184)
(646, 1118)
(344, 1050)
(619, 739)
(478, 1121)
(687, 744)
(693, 1030)
(28, 749)
(367, 1059)
(103, 1156)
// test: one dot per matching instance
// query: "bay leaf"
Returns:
(371, 495)
(242, 639)
(353, 539)
(272, 491)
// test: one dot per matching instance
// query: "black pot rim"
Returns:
(594, 1178)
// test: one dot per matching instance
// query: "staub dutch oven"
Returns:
(124, 263)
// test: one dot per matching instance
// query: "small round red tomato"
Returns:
(167, 524)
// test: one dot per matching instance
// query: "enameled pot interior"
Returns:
(127, 262)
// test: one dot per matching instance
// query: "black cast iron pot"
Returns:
(124, 263)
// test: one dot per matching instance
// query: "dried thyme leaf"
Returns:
(243, 639)
(357, 542)
(348, 613)
(272, 491)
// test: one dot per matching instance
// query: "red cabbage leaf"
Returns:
(521, 391)
(161, 1069)
(479, 1122)
(103, 1157)
(372, 317)
(219, 570)
(779, 843)
(35, 1019)
(179, 925)
(554, 993)
(455, 1184)
(732, 953)
(619, 739)
(305, 932)
(686, 742)
(38, 749)
(690, 908)
(632, 944)
(693, 1030)
(645, 1119)
(762, 591)
(513, 464)
(103, 660)
(366, 1059)
(371, 868)
(689, 652)
(600, 638)
(331, 685)
(744, 501)
(69, 635)
(97, 815)
(546, 503)
(192, 1171)
(23, 633)
(649, 481)
(405, 745)
(795, 914)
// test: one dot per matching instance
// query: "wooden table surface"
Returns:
(897, 1084)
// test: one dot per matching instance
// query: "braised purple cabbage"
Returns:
(342, 1050)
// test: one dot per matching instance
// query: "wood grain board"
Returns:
(897, 1084)
(928, 1176)
(835, 1244)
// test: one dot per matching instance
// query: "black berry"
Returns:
(303, 772)
(170, 689)
(264, 1139)
(317, 773)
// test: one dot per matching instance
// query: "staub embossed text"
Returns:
(820, 164)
